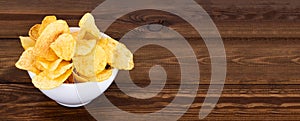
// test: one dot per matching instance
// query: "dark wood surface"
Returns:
(261, 39)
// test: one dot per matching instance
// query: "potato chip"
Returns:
(61, 69)
(100, 59)
(46, 21)
(39, 65)
(64, 46)
(54, 65)
(42, 63)
(34, 32)
(118, 55)
(27, 61)
(103, 75)
(85, 45)
(51, 32)
(87, 23)
(122, 58)
(48, 65)
(42, 81)
(27, 42)
(91, 64)
(79, 79)
(74, 34)
(84, 65)
(108, 46)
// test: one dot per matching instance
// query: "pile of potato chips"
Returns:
(52, 52)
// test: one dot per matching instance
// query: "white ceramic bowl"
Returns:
(78, 94)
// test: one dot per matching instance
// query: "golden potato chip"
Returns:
(79, 79)
(64, 46)
(74, 34)
(48, 65)
(122, 58)
(27, 61)
(100, 59)
(51, 32)
(34, 32)
(108, 45)
(54, 65)
(85, 45)
(46, 21)
(61, 69)
(42, 81)
(40, 65)
(87, 23)
(118, 55)
(84, 65)
(91, 64)
(104, 75)
(27, 42)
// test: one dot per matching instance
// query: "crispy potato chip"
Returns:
(39, 65)
(91, 64)
(43, 63)
(27, 42)
(46, 21)
(85, 45)
(87, 36)
(27, 61)
(87, 23)
(54, 65)
(118, 55)
(104, 75)
(34, 32)
(75, 34)
(42, 81)
(108, 45)
(122, 58)
(61, 69)
(48, 65)
(100, 59)
(51, 32)
(78, 78)
(64, 46)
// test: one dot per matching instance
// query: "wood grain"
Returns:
(244, 66)
(261, 39)
(278, 101)
(233, 19)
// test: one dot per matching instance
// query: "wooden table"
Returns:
(262, 44)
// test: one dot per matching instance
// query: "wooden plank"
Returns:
(278, 102)
(25, 102)
(47, 7)
(233, 19)
(244, 65)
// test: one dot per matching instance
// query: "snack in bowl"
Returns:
(60, 59)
